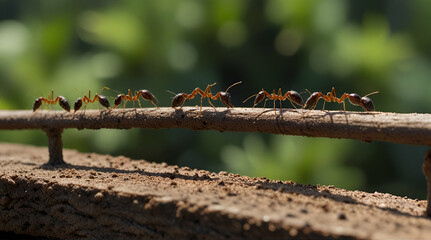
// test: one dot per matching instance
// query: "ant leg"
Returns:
(264, 103)
(279, 98)
(291, 102)
(183, 103)
(139, 102)
(212, 104)
(84, 108)
(200, 109)
(281, 107)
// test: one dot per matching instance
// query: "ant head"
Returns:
(225, 99)
(104, 101)
(118, 99)
(178, 99)
(64, 103)
(78, 104)
(367, 103)
(296, 98)
(37, 103)
(259, 97)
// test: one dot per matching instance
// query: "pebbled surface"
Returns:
(100, 196)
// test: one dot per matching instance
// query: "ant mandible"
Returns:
(146, 95)
(225, 97)
(50, 100)
(292, 96)
(365, 102)
(97, 97)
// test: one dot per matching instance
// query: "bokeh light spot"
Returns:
(232, 34)
(189, 14)
(14, 37)
(288, 42)
(182, 56)
(105, 65)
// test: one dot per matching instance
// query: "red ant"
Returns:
(365, 102)
(97, 97)
(292, 96)
(50, 100)
(225, 97)
(146, 95)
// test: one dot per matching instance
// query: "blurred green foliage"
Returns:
(356, 46)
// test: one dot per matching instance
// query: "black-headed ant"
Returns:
(365, 102)
(292, 96)
(225, 97)
(50, 100)
(97, 97)
(146, 95)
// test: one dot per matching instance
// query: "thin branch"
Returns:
(414, 129)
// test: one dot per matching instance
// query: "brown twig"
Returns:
(426, 168)
(414, 129)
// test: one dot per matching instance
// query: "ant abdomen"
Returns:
(104, 101)
(354, 99)
(367, 103)
(37, 103)
(312, 100)
(259, 97)
(64, 103)
(147, 95)
(178, 99)
(296, 98)
(117, 100)
(78, 104)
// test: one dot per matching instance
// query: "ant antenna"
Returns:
(233, 85)
(371, 93)
(115, 90)
(249, 98)
(308, 91)
(171, 92)
(103, 89)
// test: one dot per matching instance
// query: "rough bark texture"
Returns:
(100, 196)
(426, 168)
(411, 128)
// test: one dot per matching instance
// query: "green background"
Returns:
(355, 46)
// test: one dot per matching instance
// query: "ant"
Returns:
(146, 95)
(365, 102)
(225, 97)
(50, 100)
(292, 96)
(97, 97)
